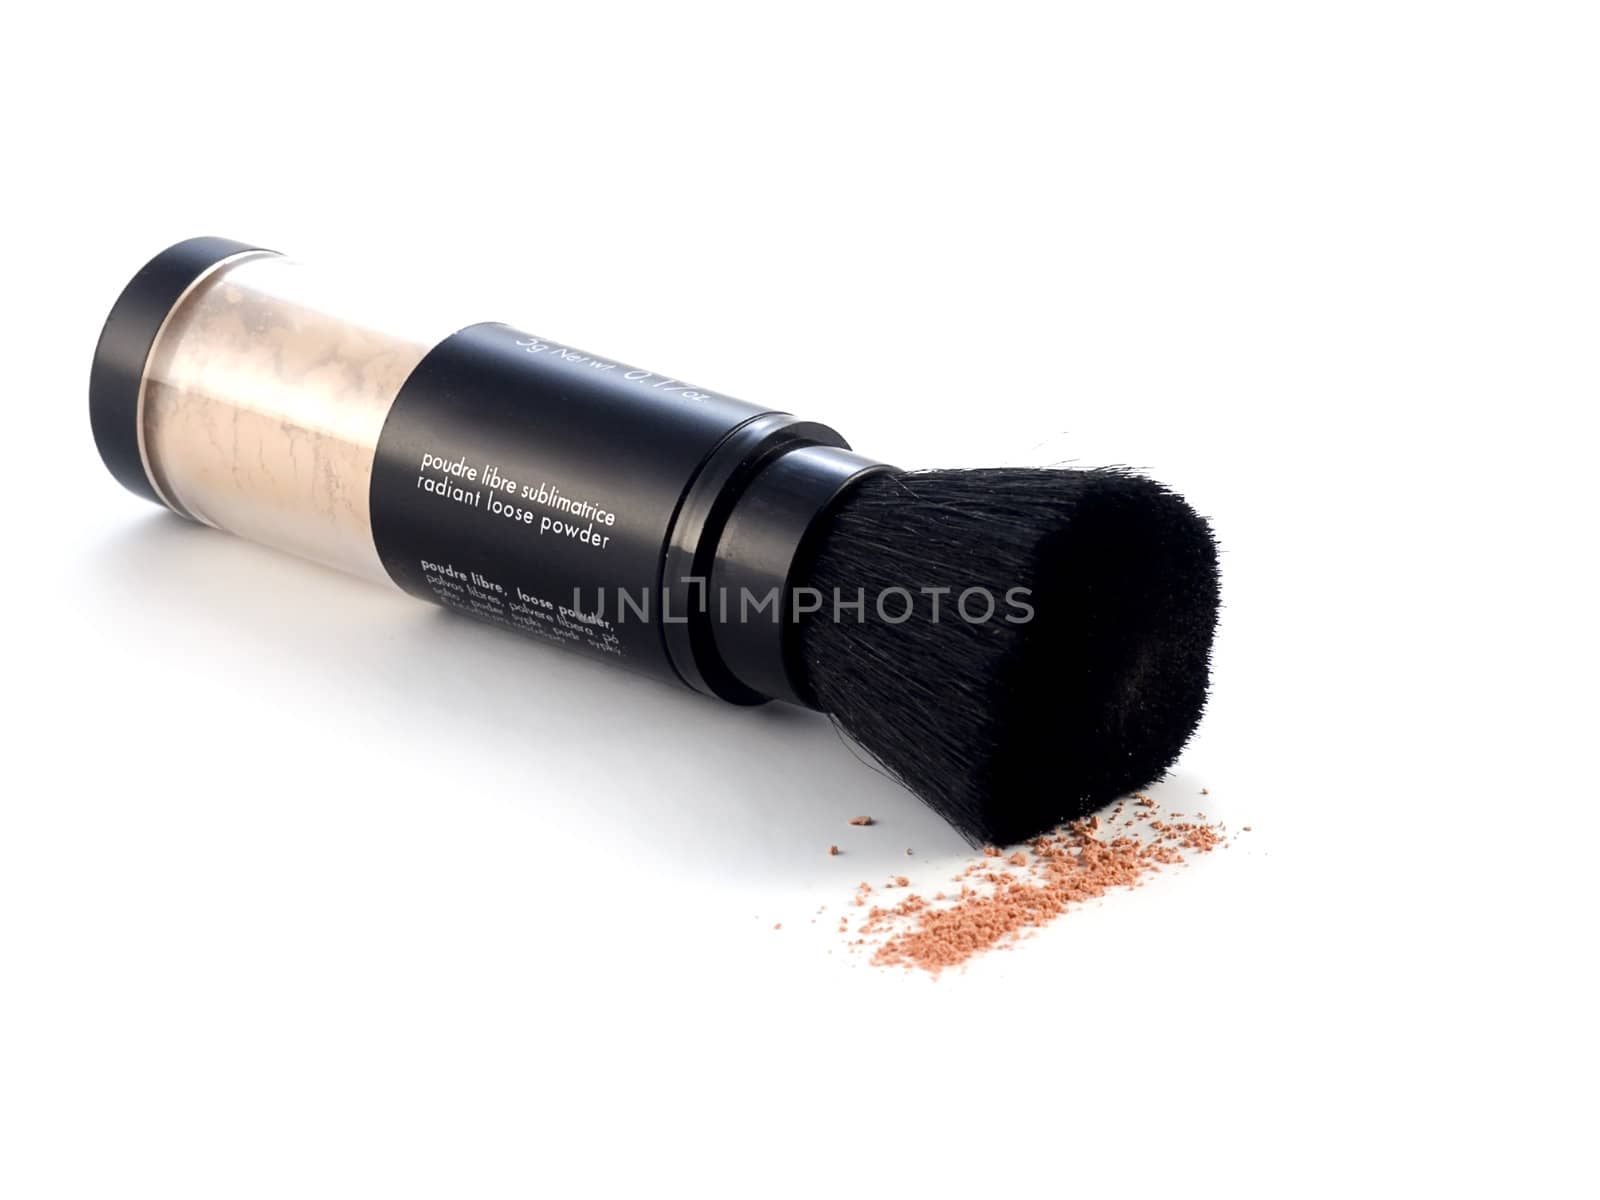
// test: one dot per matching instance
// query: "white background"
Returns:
(308, 890)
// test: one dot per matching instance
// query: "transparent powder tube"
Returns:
(505, 476)
(262, 402)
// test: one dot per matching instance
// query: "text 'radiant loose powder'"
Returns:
(996, 900)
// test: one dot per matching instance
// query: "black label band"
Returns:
(535, 486)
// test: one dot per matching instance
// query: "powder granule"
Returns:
(861, 820)
(1069, 866)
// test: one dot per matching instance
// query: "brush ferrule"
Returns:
(755, 589)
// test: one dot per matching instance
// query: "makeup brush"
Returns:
(1016, 646)
(1007, 728)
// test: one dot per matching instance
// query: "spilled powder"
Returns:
(1003, 898)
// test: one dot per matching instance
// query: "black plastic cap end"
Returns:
(125, 344)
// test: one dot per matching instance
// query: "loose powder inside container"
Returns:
(998, 899)
(262, 407)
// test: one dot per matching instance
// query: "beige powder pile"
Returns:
(1001, 899)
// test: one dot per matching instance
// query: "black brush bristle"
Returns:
(1007, 728)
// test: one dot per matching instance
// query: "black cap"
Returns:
(125, 343)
